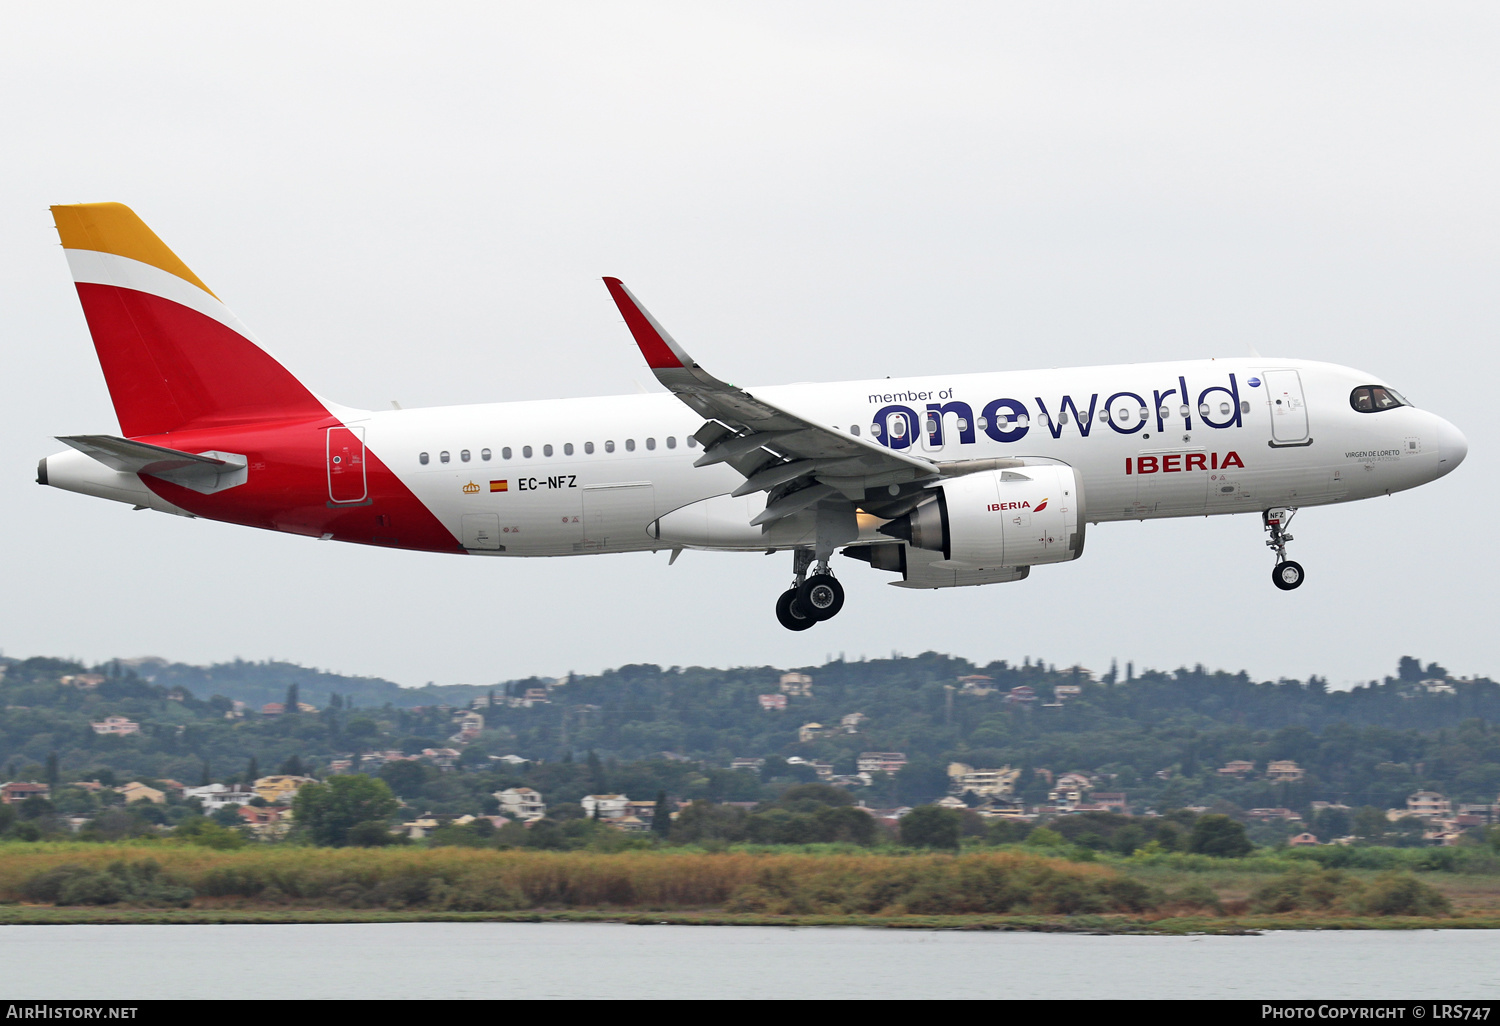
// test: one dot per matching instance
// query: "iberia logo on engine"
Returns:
(1001, 507)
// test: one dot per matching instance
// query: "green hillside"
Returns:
(1158, 736)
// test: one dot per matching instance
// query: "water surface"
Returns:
(613, 961)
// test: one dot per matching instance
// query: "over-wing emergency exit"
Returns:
(944, 481)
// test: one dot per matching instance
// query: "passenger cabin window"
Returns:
(630, 445)
(464, 455)
(609, 446)
(546, 450)
(651, 443)
(1376, 399)
(567, 448)
(692, 442)
(526, 451)
(588, 447)
(671, 441)
(854, 430)
(422, 458)
(505, 453)
(485, 455)
(443, 456)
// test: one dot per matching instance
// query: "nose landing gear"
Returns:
(1287, 574)
(810, 598)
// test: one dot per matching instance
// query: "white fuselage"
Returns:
(601, 472)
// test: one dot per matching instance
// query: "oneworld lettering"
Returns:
(897, 425)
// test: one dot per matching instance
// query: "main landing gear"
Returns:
(1287, 574)
(810, 598)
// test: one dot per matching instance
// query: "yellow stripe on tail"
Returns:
(114, 228)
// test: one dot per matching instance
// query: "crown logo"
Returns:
(471, 488)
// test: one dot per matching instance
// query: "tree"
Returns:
(372, 834)
(598, 782)
(931, 826)
(36, 807)
(661, 817)
(361, 728)
(405, 777)
(1329, 823)
(330, 811)
(813, 794)
(704, 821)
(922, 779)
(846, 823)
(52, 775)
(252, 772)
(293, 699)
(293, 767)
(1220, 837)
(1370, 823)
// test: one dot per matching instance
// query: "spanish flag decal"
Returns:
(499, 486)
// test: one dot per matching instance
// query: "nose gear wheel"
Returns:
(1287, 574)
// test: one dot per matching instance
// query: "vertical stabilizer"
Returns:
(173, 356)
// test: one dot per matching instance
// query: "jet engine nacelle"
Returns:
(1000, 518)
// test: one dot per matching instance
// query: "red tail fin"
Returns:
(174, 357)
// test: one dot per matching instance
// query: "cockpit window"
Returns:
(1376, 398)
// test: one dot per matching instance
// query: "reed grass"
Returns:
(466, 879)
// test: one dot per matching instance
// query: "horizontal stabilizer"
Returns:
(205, 472)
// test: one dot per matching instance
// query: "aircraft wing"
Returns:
(798, 461)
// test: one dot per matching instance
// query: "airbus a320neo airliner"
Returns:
(942, 480)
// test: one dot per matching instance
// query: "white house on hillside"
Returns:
(522, 803)
(610, 806)
(215, 796)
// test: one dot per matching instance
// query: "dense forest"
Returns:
(1158, 736)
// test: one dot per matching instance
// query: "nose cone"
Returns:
(1452, 447)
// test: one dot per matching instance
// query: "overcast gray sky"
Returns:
(416, 202)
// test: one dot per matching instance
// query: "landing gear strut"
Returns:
(1287, 574)
(810, 598)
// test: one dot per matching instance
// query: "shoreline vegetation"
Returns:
(161, 882)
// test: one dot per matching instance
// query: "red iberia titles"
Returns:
(1180, 462)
